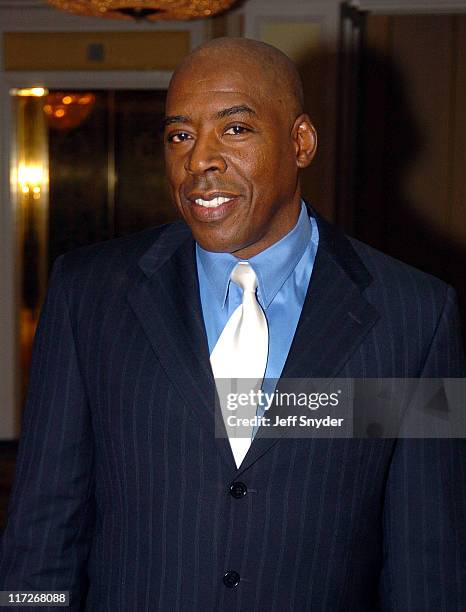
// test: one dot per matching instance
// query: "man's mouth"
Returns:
(213, 202)
(211, 206)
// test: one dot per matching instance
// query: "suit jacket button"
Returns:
(238, 490)
(231, 579)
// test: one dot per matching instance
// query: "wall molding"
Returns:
(411, 6)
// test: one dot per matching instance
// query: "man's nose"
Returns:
(205, 156)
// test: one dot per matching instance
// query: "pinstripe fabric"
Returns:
(121, 492)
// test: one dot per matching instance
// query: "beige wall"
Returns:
(73, 50)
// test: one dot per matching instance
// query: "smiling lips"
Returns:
(213, 201)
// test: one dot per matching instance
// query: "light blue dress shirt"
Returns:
(283, 272)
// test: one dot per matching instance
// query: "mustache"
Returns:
(210, 186)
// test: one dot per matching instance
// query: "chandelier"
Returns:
(66, 110)
(151, 10)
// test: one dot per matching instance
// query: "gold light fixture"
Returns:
(25, 92)
(30, 179)
(151, 10)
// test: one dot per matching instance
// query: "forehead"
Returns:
(210, 86)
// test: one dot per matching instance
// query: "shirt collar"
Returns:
(272, 266)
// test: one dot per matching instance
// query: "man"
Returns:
(124, 495)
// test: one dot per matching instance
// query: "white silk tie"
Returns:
(241, 352)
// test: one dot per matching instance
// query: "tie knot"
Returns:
(244, 276)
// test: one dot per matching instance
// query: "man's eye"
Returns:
(178, 137)
(235, 130)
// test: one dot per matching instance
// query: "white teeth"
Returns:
(213, 203)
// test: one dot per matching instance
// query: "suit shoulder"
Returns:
(379, 275)
(117, 254)
(397, 276)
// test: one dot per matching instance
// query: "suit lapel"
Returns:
(334, 320)
(166, 301)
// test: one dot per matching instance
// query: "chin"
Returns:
(216, 245)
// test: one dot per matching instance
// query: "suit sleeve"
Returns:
(46, 542)
(424, 520)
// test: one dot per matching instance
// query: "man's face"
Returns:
(231, 158)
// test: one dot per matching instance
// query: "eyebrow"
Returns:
(225, 112)
(175, 119)
(234, 110)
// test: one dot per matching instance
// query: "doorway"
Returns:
(90, 168)
(401, 152)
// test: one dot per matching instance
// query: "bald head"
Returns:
(271, 70)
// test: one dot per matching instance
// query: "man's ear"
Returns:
(305, 139)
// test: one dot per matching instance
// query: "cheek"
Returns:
(174, 172)
(254, 166)
(263, 162)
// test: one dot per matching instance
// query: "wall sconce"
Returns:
(24, 92)
(30, 179)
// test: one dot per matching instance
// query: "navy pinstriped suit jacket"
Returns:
(122, 491)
